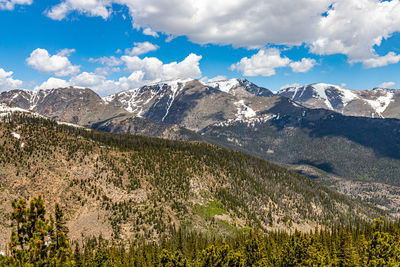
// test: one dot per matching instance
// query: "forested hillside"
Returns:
(42, 240)
(124, 186)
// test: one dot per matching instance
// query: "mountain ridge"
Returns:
(378, 102)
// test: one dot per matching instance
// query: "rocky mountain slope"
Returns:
(376, 103)
(194, 104)
(124, 186)
(84, 107)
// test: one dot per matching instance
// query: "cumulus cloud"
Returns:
(377, 61)
(141, 48)
(52, 83)
(66, 52)
(103, 86)
(10, 4)
(387, 85)
(59, 64)
(142, 72)
(266, 61)
(304, 65)
(149, 31)
(350, 27)
(7, 82)
(263, 63)
(92, 8)
(154, 69)
(107, 61)
(354, 27)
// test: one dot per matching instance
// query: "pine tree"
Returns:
(35, 239)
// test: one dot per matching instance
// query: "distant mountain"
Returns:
(376, 103)
(84, 107)
(124, 186)
(194, 104)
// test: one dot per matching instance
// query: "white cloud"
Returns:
(7, 82)
(52, 83)
(149, 31)
(92, 8)
(141, 48)
(155, 70)
(58, 64)
(106, 70)
(354, 27)
(66, 52)
(101, 85)
(143, 71)
(350, 27)
(304, 65)
(381, 61)
(266, 61)
(263, 63)
(387, 85)
(10, 4)
(86, 79)
(108, 61)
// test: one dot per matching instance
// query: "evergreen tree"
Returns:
(34, 239)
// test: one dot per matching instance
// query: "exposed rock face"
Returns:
(84, 107)
(193, 104)
(376, 103)
(74, 105)
(145, 127)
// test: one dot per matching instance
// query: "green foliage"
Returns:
(210, 210)
(36, 240)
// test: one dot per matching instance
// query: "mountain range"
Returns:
(334, 135)
(376, 103)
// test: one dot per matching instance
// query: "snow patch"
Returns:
(18, 136)
(320, 90)
(224, 85)
(347, 96)
(6, 109)
(381, 103)
(244, 111)
(69, 124)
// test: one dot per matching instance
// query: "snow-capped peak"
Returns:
(224, 85)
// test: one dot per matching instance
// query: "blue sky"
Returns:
(271, 43)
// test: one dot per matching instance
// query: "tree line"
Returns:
(41, 240)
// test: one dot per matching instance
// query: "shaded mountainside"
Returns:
(124, 186)
(376, 103)
(351, 147)
(145, 127)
